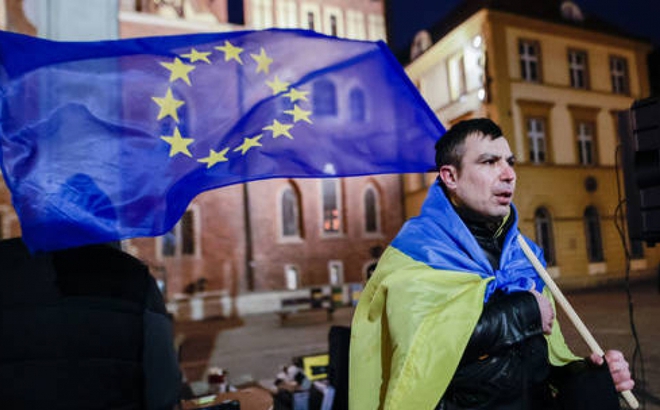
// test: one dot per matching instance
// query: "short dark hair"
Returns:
(449, 148)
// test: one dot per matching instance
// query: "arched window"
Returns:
(593, 235)
(182, 238)
(331, 196)
(544, 234)
(187, 233)
(324, 98)
(371, 211)
(357, 105)
(290, 213)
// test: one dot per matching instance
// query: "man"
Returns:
(83, 328)
(455, 316)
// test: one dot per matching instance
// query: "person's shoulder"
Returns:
(100, 258)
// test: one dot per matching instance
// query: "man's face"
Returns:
(486, 181)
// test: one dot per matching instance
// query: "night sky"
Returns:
(638, 17)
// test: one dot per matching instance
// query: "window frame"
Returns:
(624, 75)
(536, 109)
(591, 219)
(584, 141)
(575, 68)
(324, 101)
(338, 209)
(177, 231)
(371, 188)
(297, 208)
(526, 60)
(532, 140)
(585, 114)
(357, 101)
(542, 216)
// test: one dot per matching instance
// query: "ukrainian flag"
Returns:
(417, 312)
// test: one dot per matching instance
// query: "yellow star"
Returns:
(195, 55)
(249, 143)
(168, 105)
(295, 95)
(231, 52)
(277, 86)
(280, 129)
(263, 61)
(214, 158)
(299, 114)
(179, 70)
(178, 144)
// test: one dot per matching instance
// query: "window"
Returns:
(619, 75)
(577, 67)
(336, 272)
(356, 105)
(310, 20)
(536, 136)
(371, 210)
(262, 13)
(457, 83)
(530, 59)
(585, 141)
(544, 235)
(331, 205)
(333, 26)
(291, 277)
(355, 27)
(376, 27)
(181, 239)
(324, 98)
(187, 234)
(290, 213)
(287, 14)
(593, 236)
(537, 130)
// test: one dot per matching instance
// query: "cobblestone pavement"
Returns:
(255, 347)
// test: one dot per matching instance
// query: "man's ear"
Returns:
(448, 174)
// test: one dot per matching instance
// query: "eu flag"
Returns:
(110, 140)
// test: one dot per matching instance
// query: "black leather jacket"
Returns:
(505, 363)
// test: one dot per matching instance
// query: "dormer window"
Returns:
(571, 12)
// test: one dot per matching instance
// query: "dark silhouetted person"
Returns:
(83, 328)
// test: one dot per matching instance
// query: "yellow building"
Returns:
(554, 80)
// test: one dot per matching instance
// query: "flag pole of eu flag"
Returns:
(110, 140)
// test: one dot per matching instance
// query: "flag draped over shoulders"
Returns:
(439, 238)
(417, 312)
(111, 140)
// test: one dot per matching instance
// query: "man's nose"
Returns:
(508, 173)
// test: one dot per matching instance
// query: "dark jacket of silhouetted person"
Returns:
(83, 328)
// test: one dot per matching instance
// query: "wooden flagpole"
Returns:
(570, 312)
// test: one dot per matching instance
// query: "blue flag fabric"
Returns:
(111, 140)
(439, 238)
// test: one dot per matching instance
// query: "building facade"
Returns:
(267, 236)
(554, 80)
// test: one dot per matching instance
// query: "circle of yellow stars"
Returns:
(181, 71)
